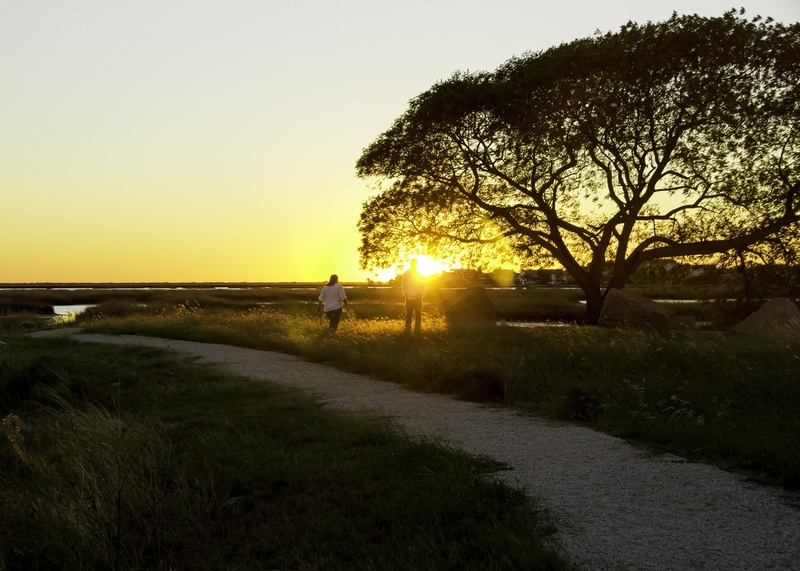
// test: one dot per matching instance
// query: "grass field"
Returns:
(132, 458)
(708, 395)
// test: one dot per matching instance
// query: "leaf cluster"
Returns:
(675, 138)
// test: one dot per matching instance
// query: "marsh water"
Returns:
(74, 309)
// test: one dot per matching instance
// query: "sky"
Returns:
(216, 141)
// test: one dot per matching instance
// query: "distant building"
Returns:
(544, 276)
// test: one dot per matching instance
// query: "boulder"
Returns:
(627, 309)
(778, 314)
(468, 306)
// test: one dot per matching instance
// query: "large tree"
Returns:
(663, 140)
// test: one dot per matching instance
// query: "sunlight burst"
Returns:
(427, 266)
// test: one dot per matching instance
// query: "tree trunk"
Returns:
(594, 305)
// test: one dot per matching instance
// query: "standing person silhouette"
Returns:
(331, 299)
(414, 288)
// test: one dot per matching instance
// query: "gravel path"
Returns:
(618, 506)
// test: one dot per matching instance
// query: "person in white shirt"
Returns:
(414, 288)
(331, 300)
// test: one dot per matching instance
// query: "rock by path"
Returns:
(618, 506)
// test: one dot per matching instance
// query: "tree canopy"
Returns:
(669, 139)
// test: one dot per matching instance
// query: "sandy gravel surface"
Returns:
(618, 506)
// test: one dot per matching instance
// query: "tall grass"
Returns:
(131, 458)
(729, 398)
(80, 483)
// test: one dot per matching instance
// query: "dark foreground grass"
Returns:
(721, 397)
(134, 458)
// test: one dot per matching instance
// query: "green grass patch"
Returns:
(721, 397)
(129, 458)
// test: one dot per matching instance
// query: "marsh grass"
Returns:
(513, 304)
(81, 480)
(22, 321)
(133, 458)
(721, 397)
(544, 304)
(16, 314)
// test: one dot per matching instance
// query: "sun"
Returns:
(427, 266)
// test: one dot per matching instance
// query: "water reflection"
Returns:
(666, 301)
(535, 324)
(73, 309)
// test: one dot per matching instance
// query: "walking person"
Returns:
(332, 300)
(414, 288)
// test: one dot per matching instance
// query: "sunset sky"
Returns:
(216, 141)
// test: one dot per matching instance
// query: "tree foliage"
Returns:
(662, 140)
